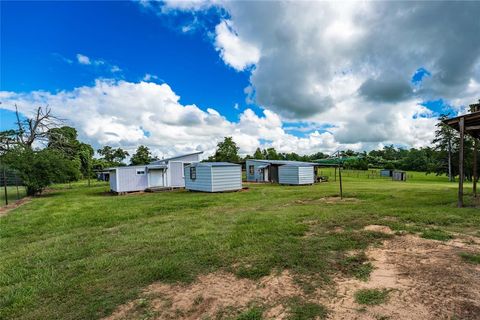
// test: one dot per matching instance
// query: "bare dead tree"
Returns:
(35, 129)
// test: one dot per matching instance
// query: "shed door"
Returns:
(176, 174)
(156, 178)
(274, 174)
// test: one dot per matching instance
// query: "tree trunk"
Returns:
(31, 191)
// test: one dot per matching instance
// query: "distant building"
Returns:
(213, 176)
(165, 173)
(280, 171)
(386, 172)
(399, 176)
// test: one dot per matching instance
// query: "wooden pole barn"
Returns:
(467, 124)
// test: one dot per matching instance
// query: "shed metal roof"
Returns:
(213, 164)
(176, 157)
(285, 162)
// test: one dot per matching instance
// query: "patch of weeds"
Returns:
(255, 313)
(381, 317)
(470, 257)
(436, 234)
(253, 272)
(197, 300)
(310, 283)
(300, 309)
(371, 296)
(356, 266)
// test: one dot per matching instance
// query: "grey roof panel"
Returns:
(213, 164)
(179, 156)
(286, 162)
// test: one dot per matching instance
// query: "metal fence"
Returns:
(12, 188)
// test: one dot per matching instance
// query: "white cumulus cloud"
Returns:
(83, 59)
(127, 114)
(236, 52)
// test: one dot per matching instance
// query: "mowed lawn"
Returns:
(77, 253)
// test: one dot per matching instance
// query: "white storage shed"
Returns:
(213, 176)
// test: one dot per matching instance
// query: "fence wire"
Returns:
(12, 187)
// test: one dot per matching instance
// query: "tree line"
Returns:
(43, 150)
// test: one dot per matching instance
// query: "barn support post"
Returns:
(340, 179)
(461, 173)
(475, 169)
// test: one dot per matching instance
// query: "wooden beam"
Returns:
(472, 128)
(461, 173)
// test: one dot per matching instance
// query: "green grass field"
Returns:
(77, 253)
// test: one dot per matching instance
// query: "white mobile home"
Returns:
(213, 176)
(269, 171)
(166, 173)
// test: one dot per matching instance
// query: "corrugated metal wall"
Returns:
(227, 178)
(203, 181)
(295, 175)
(306, 175)
(288, 175)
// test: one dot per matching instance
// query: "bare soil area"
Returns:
(4, 210)
(426, 279)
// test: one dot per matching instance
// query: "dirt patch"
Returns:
(6, 209)
(378, 228)
(425, 280)
(212, 294)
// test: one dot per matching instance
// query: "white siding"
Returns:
(129, 180)
(203, 181)
(226, 178)
(176, 174)
(113, 180)
(306, 175)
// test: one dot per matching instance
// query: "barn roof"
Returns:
(472, 123)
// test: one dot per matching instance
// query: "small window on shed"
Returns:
(251, 170)
(140, 171)
(193, 173)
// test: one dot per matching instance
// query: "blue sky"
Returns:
(41, 41)
(267, 73)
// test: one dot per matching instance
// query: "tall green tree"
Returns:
(113, 157)
(40, 168)
(142, 156)
(444, 142)
(258, 154)
(272, 154)
(64, 139)
(227, 151)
